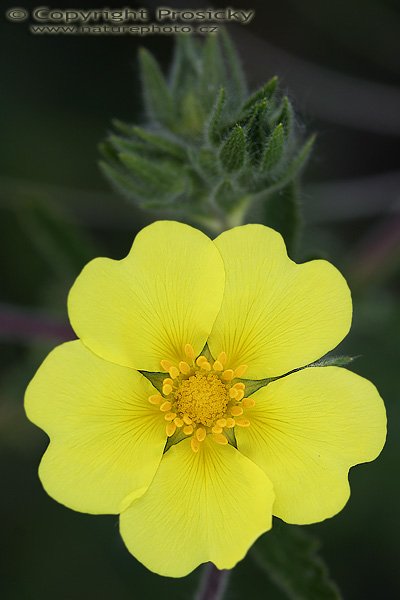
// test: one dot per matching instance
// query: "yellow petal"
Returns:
(307, 429)
(276, 315)
(106, 439)
(209, 505)
(145, 308)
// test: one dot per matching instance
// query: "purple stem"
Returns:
(22, 325)
(213, 583)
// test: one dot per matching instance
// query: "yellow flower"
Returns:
(211, 316)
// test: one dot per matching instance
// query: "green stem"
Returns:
(213, 583)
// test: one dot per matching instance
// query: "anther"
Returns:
(228, 375)
(248, 403)
(221, 423)
(240, 371)
(220, 438)
(174, 372)
(189, 351)
(222, 358)
(242, 422)
(216, 429)
(170, 416)
(168, 380)
(188, 430)
(187, 419)
(233, 392)
(218, 366)
(167, 389)
(155, 399)
(165, 406)
(170, 429)
(236, 411)
(239, 386)
(166, 365)
(239, 395)
(178, 422)
(205, 365)
(195, 444)
(200, 359)
(184, 367)
(230, 422)
(201, 434)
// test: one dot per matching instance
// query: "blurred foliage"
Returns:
(208, 150)
(58, 96)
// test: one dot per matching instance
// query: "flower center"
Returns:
(203, 397)
(200, 398)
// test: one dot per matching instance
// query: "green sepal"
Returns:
(214, 128)
(232, 153)
(237, 80)
(289, 556)
(152, 177)
(266, 92)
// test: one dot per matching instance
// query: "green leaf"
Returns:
(157, 97)
(215, 125)
(160, 142)
(266, 92)
(235, 75)
(233, 151)
(274, 151)
(289, 555)
(286, 117)
(152, 176)
(120, 181)
(213, 72)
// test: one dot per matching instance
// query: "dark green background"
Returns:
(340, 63)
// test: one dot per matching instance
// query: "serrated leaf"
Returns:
(289, 555)
(274, 151)
(157, 97)
(233, 151)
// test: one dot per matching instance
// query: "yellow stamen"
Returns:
(195, 444)
(206, 365)
(221, 422)
(189, 351)
(184, 367)
(236, 411)
(233, 392)
(155, 399)
(170, 429)
(220, 438)
(222, 358)
(242, 422)
(167, 389)
(239, 395)
(240, 371)
(170, 416)
(178, 422)
(218, 366)
(166, 365)
(216, 429)
(200, 359)
(188, 430)
(228, 375)
(174, 372)
(187, 419)
(167, 381)
(230, 422)
(248, 403)
(239, 385)
(201, 434)
(165, 406)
